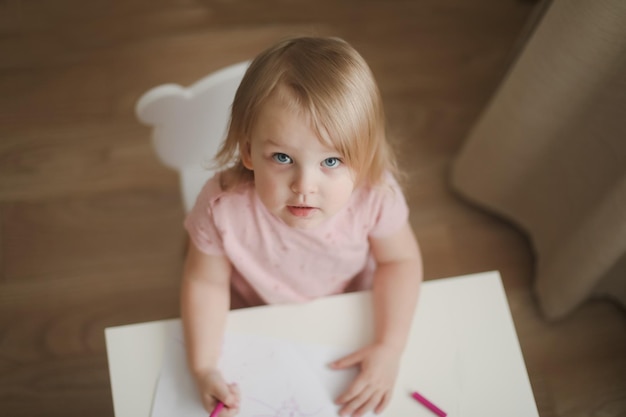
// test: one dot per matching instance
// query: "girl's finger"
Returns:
(383, 403)
(348, 361)
(356, 387)
(235, 394)
(374, 399)
(209, 402)
(229, 412)
(358, 401)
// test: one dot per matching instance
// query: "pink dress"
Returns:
(274, 263)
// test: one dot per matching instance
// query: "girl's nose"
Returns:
(304, 182)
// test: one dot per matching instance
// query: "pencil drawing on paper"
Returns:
(288, 408)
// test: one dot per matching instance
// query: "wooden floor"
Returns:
(90, 232)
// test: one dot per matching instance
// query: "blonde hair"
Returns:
(328, 80)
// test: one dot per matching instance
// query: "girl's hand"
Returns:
(372, 388)
(213, 388)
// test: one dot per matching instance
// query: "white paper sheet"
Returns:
(277, 378)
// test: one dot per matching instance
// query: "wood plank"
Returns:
(44, 162)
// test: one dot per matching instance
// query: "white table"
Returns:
(463, 353)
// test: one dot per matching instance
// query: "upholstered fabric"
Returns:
(549, 153)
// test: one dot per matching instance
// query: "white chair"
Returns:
(190, 123)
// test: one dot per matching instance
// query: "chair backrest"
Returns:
(190, 123)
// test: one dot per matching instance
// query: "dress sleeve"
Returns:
(200, 223)
(392, 211)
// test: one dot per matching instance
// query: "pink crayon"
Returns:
(217, 409)
(432, 407)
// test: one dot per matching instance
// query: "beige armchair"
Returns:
(549, 153)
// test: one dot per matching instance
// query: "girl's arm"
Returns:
(395, 291)
(205, 301)
(396, 286)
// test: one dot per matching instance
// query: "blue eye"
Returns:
(331, 162)
(282, 158)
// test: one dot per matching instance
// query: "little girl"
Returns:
(304, 205)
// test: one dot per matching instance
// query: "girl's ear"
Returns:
(246, 155)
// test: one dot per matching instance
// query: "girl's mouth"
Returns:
(301, 211)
